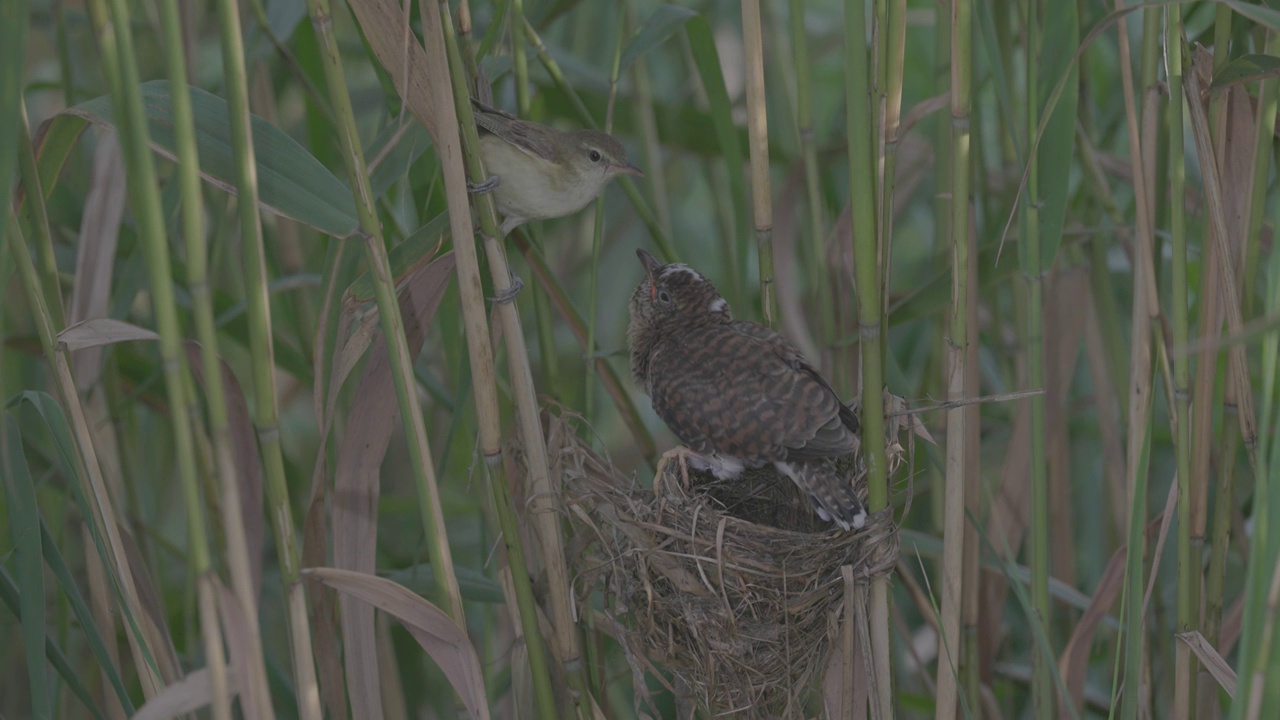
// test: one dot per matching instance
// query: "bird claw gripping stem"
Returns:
(508, 294)
(480, 188)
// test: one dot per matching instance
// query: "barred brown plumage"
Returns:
(736, 392)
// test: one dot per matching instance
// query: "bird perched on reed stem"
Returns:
(540, 172)
(736, 393)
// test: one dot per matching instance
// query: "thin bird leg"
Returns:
(489, 185)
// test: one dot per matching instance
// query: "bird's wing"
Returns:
(747, 393)
(818, 425)
(524, 135)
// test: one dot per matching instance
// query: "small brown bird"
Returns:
(542, 172)
(736, 392)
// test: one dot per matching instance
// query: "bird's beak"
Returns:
(651, 267)
(629, 168)
(651, 264)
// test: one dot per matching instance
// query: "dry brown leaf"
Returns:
(248, 461)
(1065, 328)
(1224, 232)
(373, 417)
(1170, 505)
(1108, 413)
(1232, 623)
(101, 603)
(444, 641)
(383, 25)
(1237, 161)
(358, 324)
(152, 618)
(393, 696)
(322, 605)
(187, 695)
(1005, 527)
(1074, 660)
(787, 275)
(1210, 658)
(96, 249)
(97, 332)
(240, 644)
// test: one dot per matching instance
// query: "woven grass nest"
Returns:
(733, 588)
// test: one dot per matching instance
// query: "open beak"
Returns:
(629, 168)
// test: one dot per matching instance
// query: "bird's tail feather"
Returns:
(831, 494)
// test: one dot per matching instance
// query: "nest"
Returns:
(734, 588)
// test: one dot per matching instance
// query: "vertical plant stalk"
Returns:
(758, 134)
(1188, 564)
(895, 41)
(820, 291)
(449, 89)
(1259, 664)
(953, 532)
(1033, 338)
(544, 500)
(862, 174)
(1129, 660)
(1224, 500)
(1193, 490)
(519, 58)
(646, 118)
(1219, 248)
(237, 555)
(39, 217)
(145, 199)
(389, 313)
(597, 238)
(145, 195)
(262, 353)
(1237, 361)
(103, 523)
(573, 318)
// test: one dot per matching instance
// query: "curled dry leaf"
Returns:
(184, 696)
(1211, 659)
(95, 332)
(444, 641)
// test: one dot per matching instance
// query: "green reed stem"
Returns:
(144, 194)
(1033, 338)
(543, 510)
(862, 174)
(958, 332)
(197, 262)
(389, 314)
(758, 135)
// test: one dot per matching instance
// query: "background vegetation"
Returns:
(1102, 549)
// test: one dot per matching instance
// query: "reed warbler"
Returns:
(539, 172)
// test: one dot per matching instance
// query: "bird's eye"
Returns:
(595, 156)
(664, 297)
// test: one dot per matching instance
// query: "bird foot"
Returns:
(480, 188)
(508, 294)
(680, 454)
